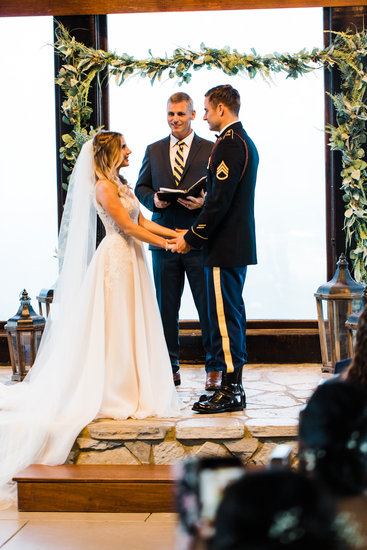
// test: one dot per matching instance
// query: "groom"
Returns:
(225, 229)
(177, 162)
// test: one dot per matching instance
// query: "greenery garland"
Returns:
(347, 52)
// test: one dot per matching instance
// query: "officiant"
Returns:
(177, 162)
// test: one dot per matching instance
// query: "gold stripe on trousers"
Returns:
(222, 320)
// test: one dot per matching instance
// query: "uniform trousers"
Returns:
(227, 317)
(169, 279)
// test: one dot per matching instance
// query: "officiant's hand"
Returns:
(160, 204)
(193, 203)
(178, 244)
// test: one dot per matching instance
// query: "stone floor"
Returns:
(275, 394)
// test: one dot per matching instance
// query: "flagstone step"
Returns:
(164, 442)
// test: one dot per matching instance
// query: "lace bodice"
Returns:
(131, 205)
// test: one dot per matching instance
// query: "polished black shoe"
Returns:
(222, 401)
(206, 396)
(230, 398)
(177, 378)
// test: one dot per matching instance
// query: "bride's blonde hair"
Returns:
(107, 155)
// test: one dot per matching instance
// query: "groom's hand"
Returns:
(178, 244)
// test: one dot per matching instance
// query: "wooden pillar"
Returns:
(336, 19)
(92, 31)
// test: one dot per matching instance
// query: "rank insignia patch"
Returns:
(222, 171)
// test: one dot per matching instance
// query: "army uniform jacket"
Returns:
(225, 228)
(156, 172)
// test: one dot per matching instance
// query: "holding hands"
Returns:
(178, 243)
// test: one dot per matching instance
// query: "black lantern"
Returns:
(24, 336)
(336, 300)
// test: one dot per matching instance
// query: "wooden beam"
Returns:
(13, 8)
(336, 20)
(92, 31)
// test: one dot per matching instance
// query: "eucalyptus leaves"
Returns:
(349, 137)
(347, 52)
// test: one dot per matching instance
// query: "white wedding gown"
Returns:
(110, 360)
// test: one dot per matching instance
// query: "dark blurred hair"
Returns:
(333, 437)
(357, 371)
(275, 509)
(227, 95)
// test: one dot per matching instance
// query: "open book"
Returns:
(171, 195)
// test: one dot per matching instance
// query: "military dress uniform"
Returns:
(225, 229)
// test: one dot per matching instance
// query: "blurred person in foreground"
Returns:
(333, 445)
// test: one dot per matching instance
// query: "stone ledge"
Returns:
(129, 429)
(209, 428)
(273, 431)
(167, 442)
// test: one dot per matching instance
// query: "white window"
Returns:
(285, 118)
(28, 210)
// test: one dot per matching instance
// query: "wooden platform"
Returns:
(96, 488)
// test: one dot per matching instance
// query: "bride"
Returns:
(103, 352)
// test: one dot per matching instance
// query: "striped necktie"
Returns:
(179, 163)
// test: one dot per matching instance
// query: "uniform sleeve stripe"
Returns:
(197, 234)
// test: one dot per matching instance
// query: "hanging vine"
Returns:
(347, 52)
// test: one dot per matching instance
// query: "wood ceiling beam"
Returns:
(14, 8)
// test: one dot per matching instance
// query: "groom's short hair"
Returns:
(181, 96)
(227, 95)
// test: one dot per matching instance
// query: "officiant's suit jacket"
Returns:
(156, 172)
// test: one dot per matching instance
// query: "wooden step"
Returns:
(96, 488)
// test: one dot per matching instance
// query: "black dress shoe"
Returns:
(230, 398)
(238, 380)
(213, 380)
(222, 401)
(177, 378)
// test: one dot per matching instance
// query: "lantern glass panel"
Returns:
(336, 337)
(13, 336)
(26, 340)
(342, 345)
(38, 336)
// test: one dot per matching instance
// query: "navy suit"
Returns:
(225, 230)
(169, 269)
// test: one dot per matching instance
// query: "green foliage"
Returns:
(347, 52)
